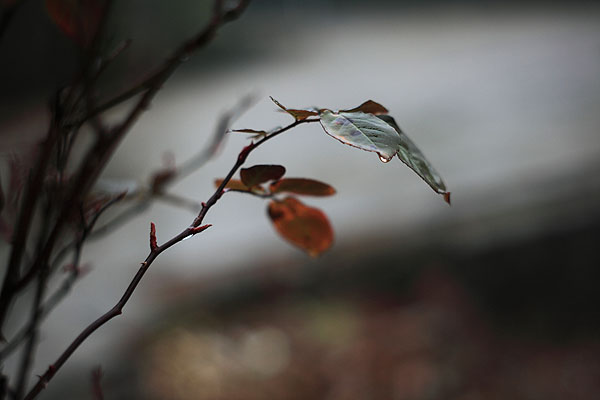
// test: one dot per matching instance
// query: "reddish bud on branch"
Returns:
(199, 229)
(153, 244)
(244, 153)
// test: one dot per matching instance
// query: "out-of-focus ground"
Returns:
(492, 298)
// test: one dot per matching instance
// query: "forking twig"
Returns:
(195, 228)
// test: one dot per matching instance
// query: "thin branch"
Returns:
(25, 216)
(13, 283)
(193, 229)
(105, 146)
(180, 55)
(28, 352)
(64, 288)
(196, 162)
(147, 196)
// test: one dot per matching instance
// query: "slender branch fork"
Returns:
(155, 251)
(64, 126)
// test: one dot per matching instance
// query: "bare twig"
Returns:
(146, 196)
(25, 217)
(194, 228)
(105, 146)
(29, 350)
(55, 298)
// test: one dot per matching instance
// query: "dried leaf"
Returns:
(303, 226)
(369, 107)
(309, 187)
(234, 184)
(254, 131)
(78, 19)
(258, 174)
(299, 115)
(238, 185)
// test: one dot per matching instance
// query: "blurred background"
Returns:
(494, 297)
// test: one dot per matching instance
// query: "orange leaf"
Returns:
(299, 115)
(78, 19)
(309, 187)
(369, 107)
(303, 226)
(234, 184)
(258, 174)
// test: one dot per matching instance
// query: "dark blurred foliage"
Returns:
(36, 58)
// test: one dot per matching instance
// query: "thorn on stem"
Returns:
(153, 244)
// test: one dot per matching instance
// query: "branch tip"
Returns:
(153, 244)
(199, 229)
(447, 198)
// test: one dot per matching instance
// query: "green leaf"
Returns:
(381, 134)
(369, 107)
(261, 173)
(77, 19)
(410, 155)
(309, 187)
(299, 115)
(365, 131)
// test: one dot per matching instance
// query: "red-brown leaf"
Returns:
(303, 226)
(298, 115)
(78, 19)
(258, 174)
(234, 184)
(369, 107)
(309, 187)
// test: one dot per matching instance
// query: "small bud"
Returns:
(245, 151)
(153, 244)
(199, 229)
